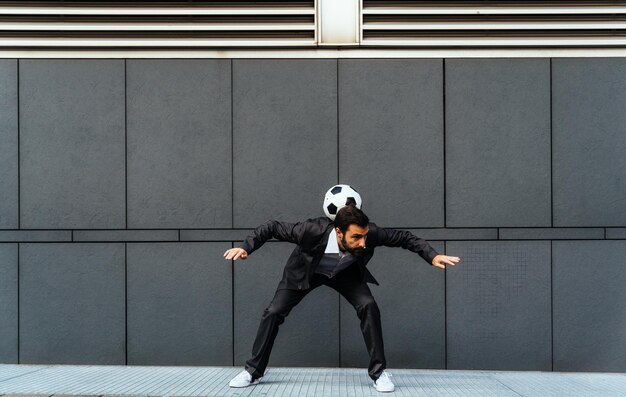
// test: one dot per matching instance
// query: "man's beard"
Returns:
(354, 251)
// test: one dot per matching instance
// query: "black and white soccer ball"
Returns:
(339, 196)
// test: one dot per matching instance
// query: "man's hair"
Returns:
(350, 215)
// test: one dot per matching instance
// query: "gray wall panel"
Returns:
(391, 138)
(411, 298)
(456, 234)
(217, 146)
(589, 306)
(498, 306)
(616, 233)
(498, 142)
(565, 233)
(179, 144)
(72, 144)
(8, 304)
(179, 304)
(285, 138)
(8, 144)
(125, 235)
(309, 336)
(35, 235)
(215, 235)
(589, 141)
(72, 303)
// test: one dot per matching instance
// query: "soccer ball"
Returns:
(339, 196)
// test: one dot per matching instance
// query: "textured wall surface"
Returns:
(8, 144)
(72, 303)
(178, 113)
(391, 138)
(498, 305)
(124, 181)
(72, 144)
(498, 142)
(8, 303)
(589, 132)
(179, 304)
(589, 305)
(284, 138)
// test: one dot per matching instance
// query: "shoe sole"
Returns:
(383, 391)
(254, 382)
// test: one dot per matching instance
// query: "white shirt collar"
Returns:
(332, 247)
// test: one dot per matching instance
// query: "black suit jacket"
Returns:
(311, 237)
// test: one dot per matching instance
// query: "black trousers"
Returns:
(347, 283)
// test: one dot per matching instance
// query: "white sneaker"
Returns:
(244, 379)
(384, 383)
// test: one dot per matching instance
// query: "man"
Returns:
(336, 255)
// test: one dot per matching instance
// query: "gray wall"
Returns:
(124, 181)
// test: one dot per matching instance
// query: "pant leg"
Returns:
(273, 316)
(347, 283)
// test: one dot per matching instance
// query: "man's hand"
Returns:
(443, 260)
(235, 253)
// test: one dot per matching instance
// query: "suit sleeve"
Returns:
(406, 240)
(282, 231)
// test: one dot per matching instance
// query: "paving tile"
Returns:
(561, 384)
(116, 381)
(10, 371)
(26, 395)
(73, 395)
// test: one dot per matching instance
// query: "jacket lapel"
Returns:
(321, 246)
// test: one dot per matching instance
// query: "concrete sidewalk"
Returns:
(48, 380)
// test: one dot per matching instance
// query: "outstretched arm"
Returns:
(407, 240)
(282, 231)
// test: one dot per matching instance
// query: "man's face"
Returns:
(353, 240)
